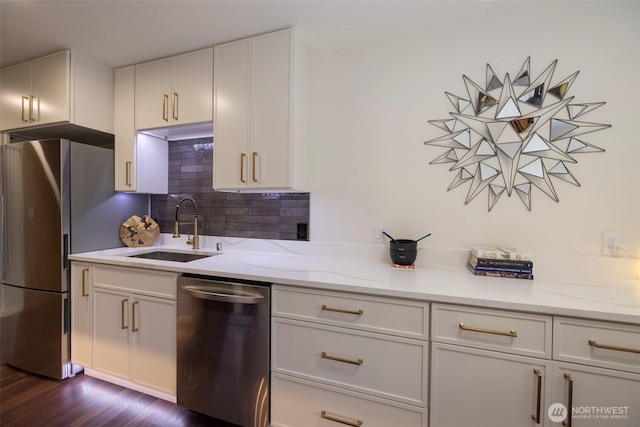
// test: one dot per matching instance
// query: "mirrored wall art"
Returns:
(514, 135)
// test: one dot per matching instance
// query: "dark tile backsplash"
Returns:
(261, 216)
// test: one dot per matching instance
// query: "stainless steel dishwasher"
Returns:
(223, 348)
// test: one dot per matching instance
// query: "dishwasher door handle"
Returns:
(221, 294)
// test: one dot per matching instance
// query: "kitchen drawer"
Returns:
(387, 316)
(597, 343)
(155, 283)
(296, 402)
(386, 366)
(510, 332)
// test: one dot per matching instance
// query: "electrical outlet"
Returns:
(611, 243)
(376, 233)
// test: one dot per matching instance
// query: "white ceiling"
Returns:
(125, 32)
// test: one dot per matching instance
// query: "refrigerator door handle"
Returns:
(65, 251)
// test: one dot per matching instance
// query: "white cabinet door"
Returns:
(50, 81)
(15, 91)
(271, 101)
(124, 147)
(174, 91)
(192, 96)
(111, 337)
(153, 94)
(471, 387)
(256, 111)
(596, 396)
(231, 115)
(153, 326)
(81, 315)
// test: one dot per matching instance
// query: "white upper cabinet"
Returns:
(174, 91)
(64, 87)
(144, 173)
(261, 114)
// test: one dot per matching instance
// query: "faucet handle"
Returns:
(189, 239)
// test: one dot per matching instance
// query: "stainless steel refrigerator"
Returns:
(56, 197)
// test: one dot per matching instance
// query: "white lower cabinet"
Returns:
(473, 387)
(134, 338)
(488, 367)
(81, 314)
(596, 372)
(300, 403)
(596, 396)
(335, 367)
(131, 337)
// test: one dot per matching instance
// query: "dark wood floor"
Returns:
(28, 400)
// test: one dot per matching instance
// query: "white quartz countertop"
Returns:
(593, 299)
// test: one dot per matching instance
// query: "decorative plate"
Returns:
(136, 231)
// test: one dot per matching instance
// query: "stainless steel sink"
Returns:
(172, 256)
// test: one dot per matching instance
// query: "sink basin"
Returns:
(172, 256)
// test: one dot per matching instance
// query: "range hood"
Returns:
(66, 131)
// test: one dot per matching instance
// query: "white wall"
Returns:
(370, 110)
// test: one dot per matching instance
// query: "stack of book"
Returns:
(500, 262)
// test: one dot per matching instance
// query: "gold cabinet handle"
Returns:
(84, 282)
(338, 310)
(567, 422)
(174, 105)
(511, 333)
(134, 328)
(165, 107)
(25, 98)
(323, 414)
(32, 109)
(536, 416)
(593, 343)
(253, 171)
(122, 310)
(324, 355)
(127, 171)
(242, 159)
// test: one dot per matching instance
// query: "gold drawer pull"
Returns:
(127, 171)
(84, 282)
(511, 333)
(122, 309)
(324, 415)
(593, 343)
(536, 417)
(242, 160)
(165, 107)
(134, 328)
(337, 310)
(174, 105)
(26, 98)
(567, 421)
(324, 355)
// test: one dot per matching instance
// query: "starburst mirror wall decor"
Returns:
(513, 135)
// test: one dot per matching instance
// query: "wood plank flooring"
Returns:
(28, 400)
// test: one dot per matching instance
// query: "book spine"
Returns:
(500, 263)
(489, 253)
(506, 274)
(504, 269)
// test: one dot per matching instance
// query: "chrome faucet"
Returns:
(176, 226)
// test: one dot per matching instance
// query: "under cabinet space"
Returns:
(382, 365)
(298, 402)
(511, 332)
